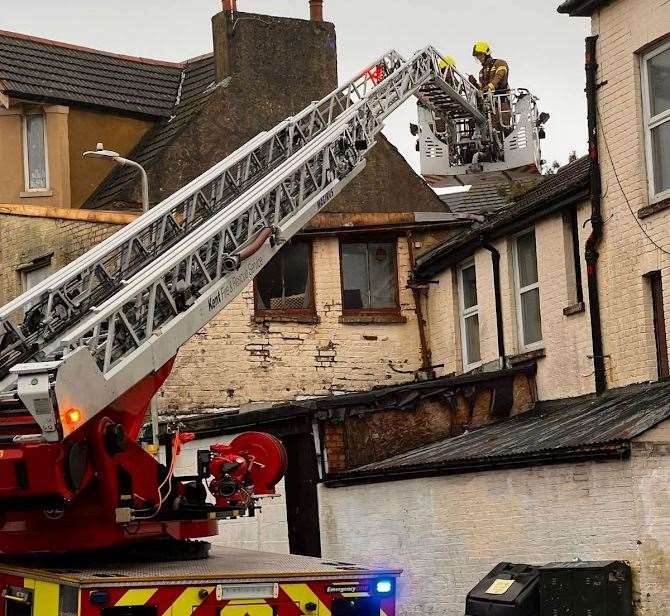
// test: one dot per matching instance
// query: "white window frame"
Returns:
(26, 167)
(652, 122)
(519, 291)
(464, 313)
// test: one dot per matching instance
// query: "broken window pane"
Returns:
(369, 276)
(36, 152)
(284, 284)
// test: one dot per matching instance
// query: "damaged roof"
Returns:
(569, 185)
(198, 79)
(487, 195)
(403, 396)
(587, 426)
(43, 70)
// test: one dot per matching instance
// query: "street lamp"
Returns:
(100, 152)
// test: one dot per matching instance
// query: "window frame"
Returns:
(652, 122)
(519, 291)
(269, 313)
(464, 313)
(395, 310)
(26, 163)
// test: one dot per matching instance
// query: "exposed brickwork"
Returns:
(25, 239)
(566, 339)
(235, 360)
(334, 444)
(386, 430)
(446, 533)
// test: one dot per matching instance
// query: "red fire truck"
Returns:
(228, 583)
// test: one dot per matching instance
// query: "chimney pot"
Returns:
(316, 10)
(229, 5)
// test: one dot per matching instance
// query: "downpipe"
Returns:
(593, 242)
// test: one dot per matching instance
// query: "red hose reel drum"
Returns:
(251, 460)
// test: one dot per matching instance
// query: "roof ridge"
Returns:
(46, 41)
(202, 56)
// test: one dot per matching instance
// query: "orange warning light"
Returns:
(73, 416)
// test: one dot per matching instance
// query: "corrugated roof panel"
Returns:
(618, 416)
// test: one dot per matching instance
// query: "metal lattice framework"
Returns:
(122, 310)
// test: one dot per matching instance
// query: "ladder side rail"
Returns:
(288, 134)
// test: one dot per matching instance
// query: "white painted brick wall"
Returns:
(567, 340)
(447, 532)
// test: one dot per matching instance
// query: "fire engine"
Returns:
(83, 352)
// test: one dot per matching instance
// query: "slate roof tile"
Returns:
(38, 69)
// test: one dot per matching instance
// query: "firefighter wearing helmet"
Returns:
(494, 79)
(494, 76)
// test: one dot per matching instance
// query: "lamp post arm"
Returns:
(143, 175)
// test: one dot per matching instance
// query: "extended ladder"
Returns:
(121, 311)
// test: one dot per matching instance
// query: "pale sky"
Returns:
(545, 50)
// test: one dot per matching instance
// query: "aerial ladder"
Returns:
(83, 352)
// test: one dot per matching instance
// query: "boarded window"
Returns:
(285, 283)
(35, 152)
(369, 276)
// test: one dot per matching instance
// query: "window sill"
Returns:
(26, 194)
(653, 208)
(574, 309)
(312, 319)
(358, 319)
(528, 356)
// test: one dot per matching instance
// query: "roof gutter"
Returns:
(430, 266)
(610, 451)
(581, 8)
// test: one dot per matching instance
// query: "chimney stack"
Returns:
(229, 5)
(316, 10)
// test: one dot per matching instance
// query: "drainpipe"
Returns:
(495, 260)
(417, 292)
(592, 243)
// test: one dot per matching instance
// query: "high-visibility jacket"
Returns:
(494, 76)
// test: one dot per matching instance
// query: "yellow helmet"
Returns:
(446, 61)
(481, 47)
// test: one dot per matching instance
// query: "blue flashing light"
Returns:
(384, 587)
